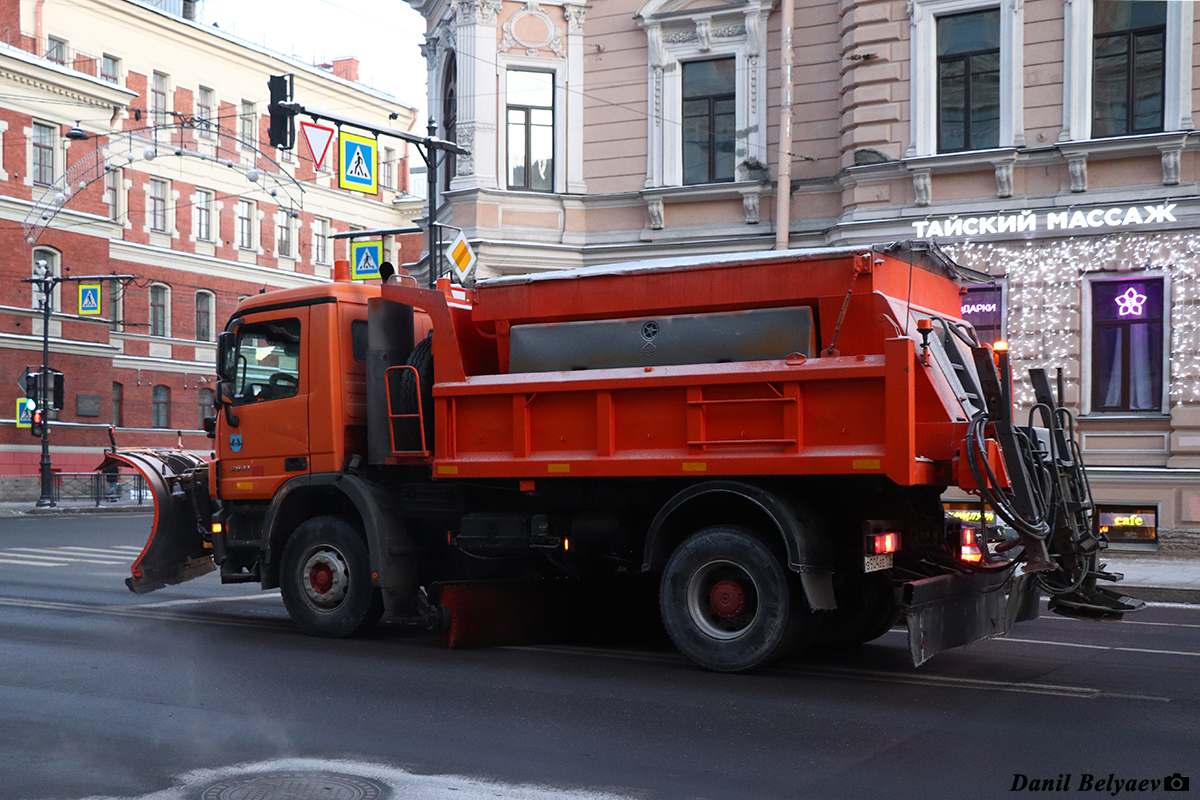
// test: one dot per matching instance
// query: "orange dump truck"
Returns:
(765, 437)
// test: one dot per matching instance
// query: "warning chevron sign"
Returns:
(357, 163)
(89, 298)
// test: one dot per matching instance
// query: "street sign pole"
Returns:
(46, 283)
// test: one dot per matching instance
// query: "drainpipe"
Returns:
(783, 190)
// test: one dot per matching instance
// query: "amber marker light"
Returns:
(218, 527)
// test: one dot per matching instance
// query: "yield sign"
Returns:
(318, 138)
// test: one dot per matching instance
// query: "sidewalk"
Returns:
(1147, 577)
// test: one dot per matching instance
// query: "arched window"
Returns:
(53, 265)
(450, 115)
(161, 407)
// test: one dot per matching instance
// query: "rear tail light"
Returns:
(970, 546)
(881, 543)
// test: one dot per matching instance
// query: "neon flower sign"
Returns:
(1131, 304)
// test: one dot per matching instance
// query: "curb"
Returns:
(23, 510)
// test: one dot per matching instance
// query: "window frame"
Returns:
(57, 50)
(204, 331)
(113, 195)
(116, 306)
(204, 111)
(676, 37)
(248, 125)
(156, 210)
(923, 127)
(1088, 336)
(113, 77)
(284, 235)
(53, 258)
(245, 224)
(1078, 38)
(321, 249)
(43, 153)
(205, 399)
(161, 323)
(1130, 35)
(160, 90)
(203, 214)
(160, 405)
(967, 58)
(528, 126)
(118, 405)
(712, 100)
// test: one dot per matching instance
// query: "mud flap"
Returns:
(954, 610)
(176, 550)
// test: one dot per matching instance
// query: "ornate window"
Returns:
(530, 134)
(680, 91)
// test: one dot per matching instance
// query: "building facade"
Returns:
(135, 143)
(1048, 143)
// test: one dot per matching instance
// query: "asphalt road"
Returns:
(207, 691)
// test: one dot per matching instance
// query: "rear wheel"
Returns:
(325, 579)
(867, 613)
(728, 602)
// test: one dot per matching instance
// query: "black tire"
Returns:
(325, 579)
(867, 614)
(728, 602)
(408, 432)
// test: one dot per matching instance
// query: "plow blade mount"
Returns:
(176, 550)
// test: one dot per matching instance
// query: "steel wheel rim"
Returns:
(713, 605)
(325, 577)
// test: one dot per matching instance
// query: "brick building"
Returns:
(134, 142)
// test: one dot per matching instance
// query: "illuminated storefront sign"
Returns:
(1128, 524)
(1029, 221)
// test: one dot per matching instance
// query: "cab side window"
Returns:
(267, 362)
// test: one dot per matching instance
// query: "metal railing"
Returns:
(99, 487)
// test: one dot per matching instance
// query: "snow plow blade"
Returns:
(177, 549)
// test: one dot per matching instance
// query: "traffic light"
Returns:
(31, 386)
(57, 393)
(282, 129)
(37, 423)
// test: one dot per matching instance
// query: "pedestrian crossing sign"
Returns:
(89, 299)
(365, 257)
(25, 407)
(357, 163)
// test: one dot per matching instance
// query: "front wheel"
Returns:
(325, 579)
(728, 603)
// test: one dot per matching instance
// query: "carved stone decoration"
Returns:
(575, 17)
(1170, 167)
(472, 12)
(750, 203)
(753, 35)
(922, 186)
(1004, 180)
(1077, 167)
(552, 38)
(704, 34)
(679, 37)
(429, 49)
(729, 32)
(655, 206)
(465, 164)
(658, 53)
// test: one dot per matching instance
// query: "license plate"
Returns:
(876, 563)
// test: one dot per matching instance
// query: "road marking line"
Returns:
(138, 613)
(108, 551)
(1134, 621)
(29, 552)
(170, 603)
(1102, 647)
(31, 563)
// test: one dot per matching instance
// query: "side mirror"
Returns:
(225, 401)
(210, 427)
(226, 348)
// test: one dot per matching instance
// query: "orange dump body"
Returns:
(576, 373)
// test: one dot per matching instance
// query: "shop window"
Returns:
(1128, 67)
(1128, 525)
(1127, 346)
(530, 130)
(968, 70)
(709, 120)
(983, 307)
